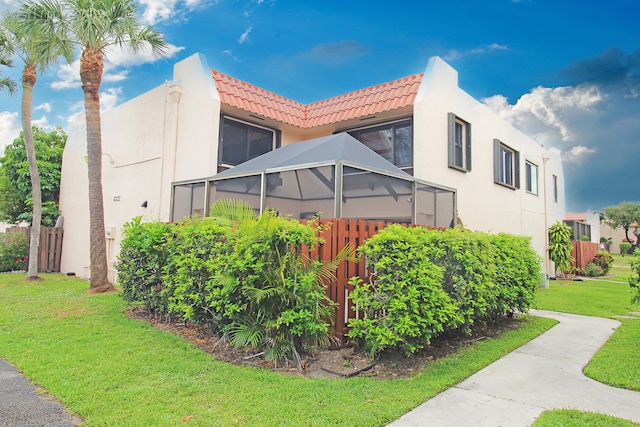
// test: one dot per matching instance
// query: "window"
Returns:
(555, 189)
(241, 141)
(531, 173)
(393, 141)
(506, 165)
(459, 143)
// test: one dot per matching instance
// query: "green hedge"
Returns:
(429, 281)
(246, 276)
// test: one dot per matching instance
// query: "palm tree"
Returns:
(5, 60)
(94, 26)
(38, 45)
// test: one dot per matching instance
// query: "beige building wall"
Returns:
(482, 204)
(167, 134)
(170, 134)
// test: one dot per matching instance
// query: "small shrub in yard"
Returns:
(14, 251)
(624, 248)
(593, 270)
(604, 261)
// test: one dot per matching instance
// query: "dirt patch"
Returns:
(340, 363)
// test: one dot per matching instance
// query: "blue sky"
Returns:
(565, 72)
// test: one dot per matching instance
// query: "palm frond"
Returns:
(232, 210)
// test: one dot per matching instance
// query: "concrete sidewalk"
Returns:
(21, 404)
(544, 374)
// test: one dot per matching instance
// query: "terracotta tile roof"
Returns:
(361, 103)
(576, 217)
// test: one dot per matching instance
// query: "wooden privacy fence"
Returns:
(50, 249)
(583, 253)
(338, 233)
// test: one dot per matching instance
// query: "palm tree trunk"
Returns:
(91, 66)
(28, 81)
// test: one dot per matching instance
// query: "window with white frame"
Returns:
(393, 141)
(459, 143)
(555, 189)
(241, 141)
(531, 174)
(506, 165)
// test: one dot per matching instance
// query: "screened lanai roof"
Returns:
(326, 150)
(333, 176)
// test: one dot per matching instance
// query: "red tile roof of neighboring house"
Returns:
(576, 217)
(361, 103)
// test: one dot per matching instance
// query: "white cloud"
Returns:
(123, 57)
(46, 107)
(546, 112)
(68, 76)
(162, 10)
(10, 128)
(577, 154)
(244, 37)
(110, 98)
(595, 128)
(454, 54)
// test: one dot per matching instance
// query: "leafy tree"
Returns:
(39, 45)
(625, 215)
(15, 181)
(94, 26)
(560, 246)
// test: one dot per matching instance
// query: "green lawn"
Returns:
(116, 371)
(617, 363)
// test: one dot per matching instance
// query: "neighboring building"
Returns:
(584, 224)
(162, 148)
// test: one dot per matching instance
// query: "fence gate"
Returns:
(50, 249)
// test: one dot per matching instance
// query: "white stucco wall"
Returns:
(482, 204)
(167, 134)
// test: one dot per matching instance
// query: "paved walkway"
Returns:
(544, 374)
(22, 406)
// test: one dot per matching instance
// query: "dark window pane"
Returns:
(234, 143)
(260, 142)
(394, 142)
(242, 142)
(403, 149)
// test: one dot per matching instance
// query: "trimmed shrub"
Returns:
(625, 247)
(14, 252)
(517, 273)
(142, 257)
(427, 282)
(404, 305)
(197, 286)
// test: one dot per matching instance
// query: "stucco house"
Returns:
(165, 151)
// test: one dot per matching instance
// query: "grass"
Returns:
(113, 370)
(617, 362)
(573, 418)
